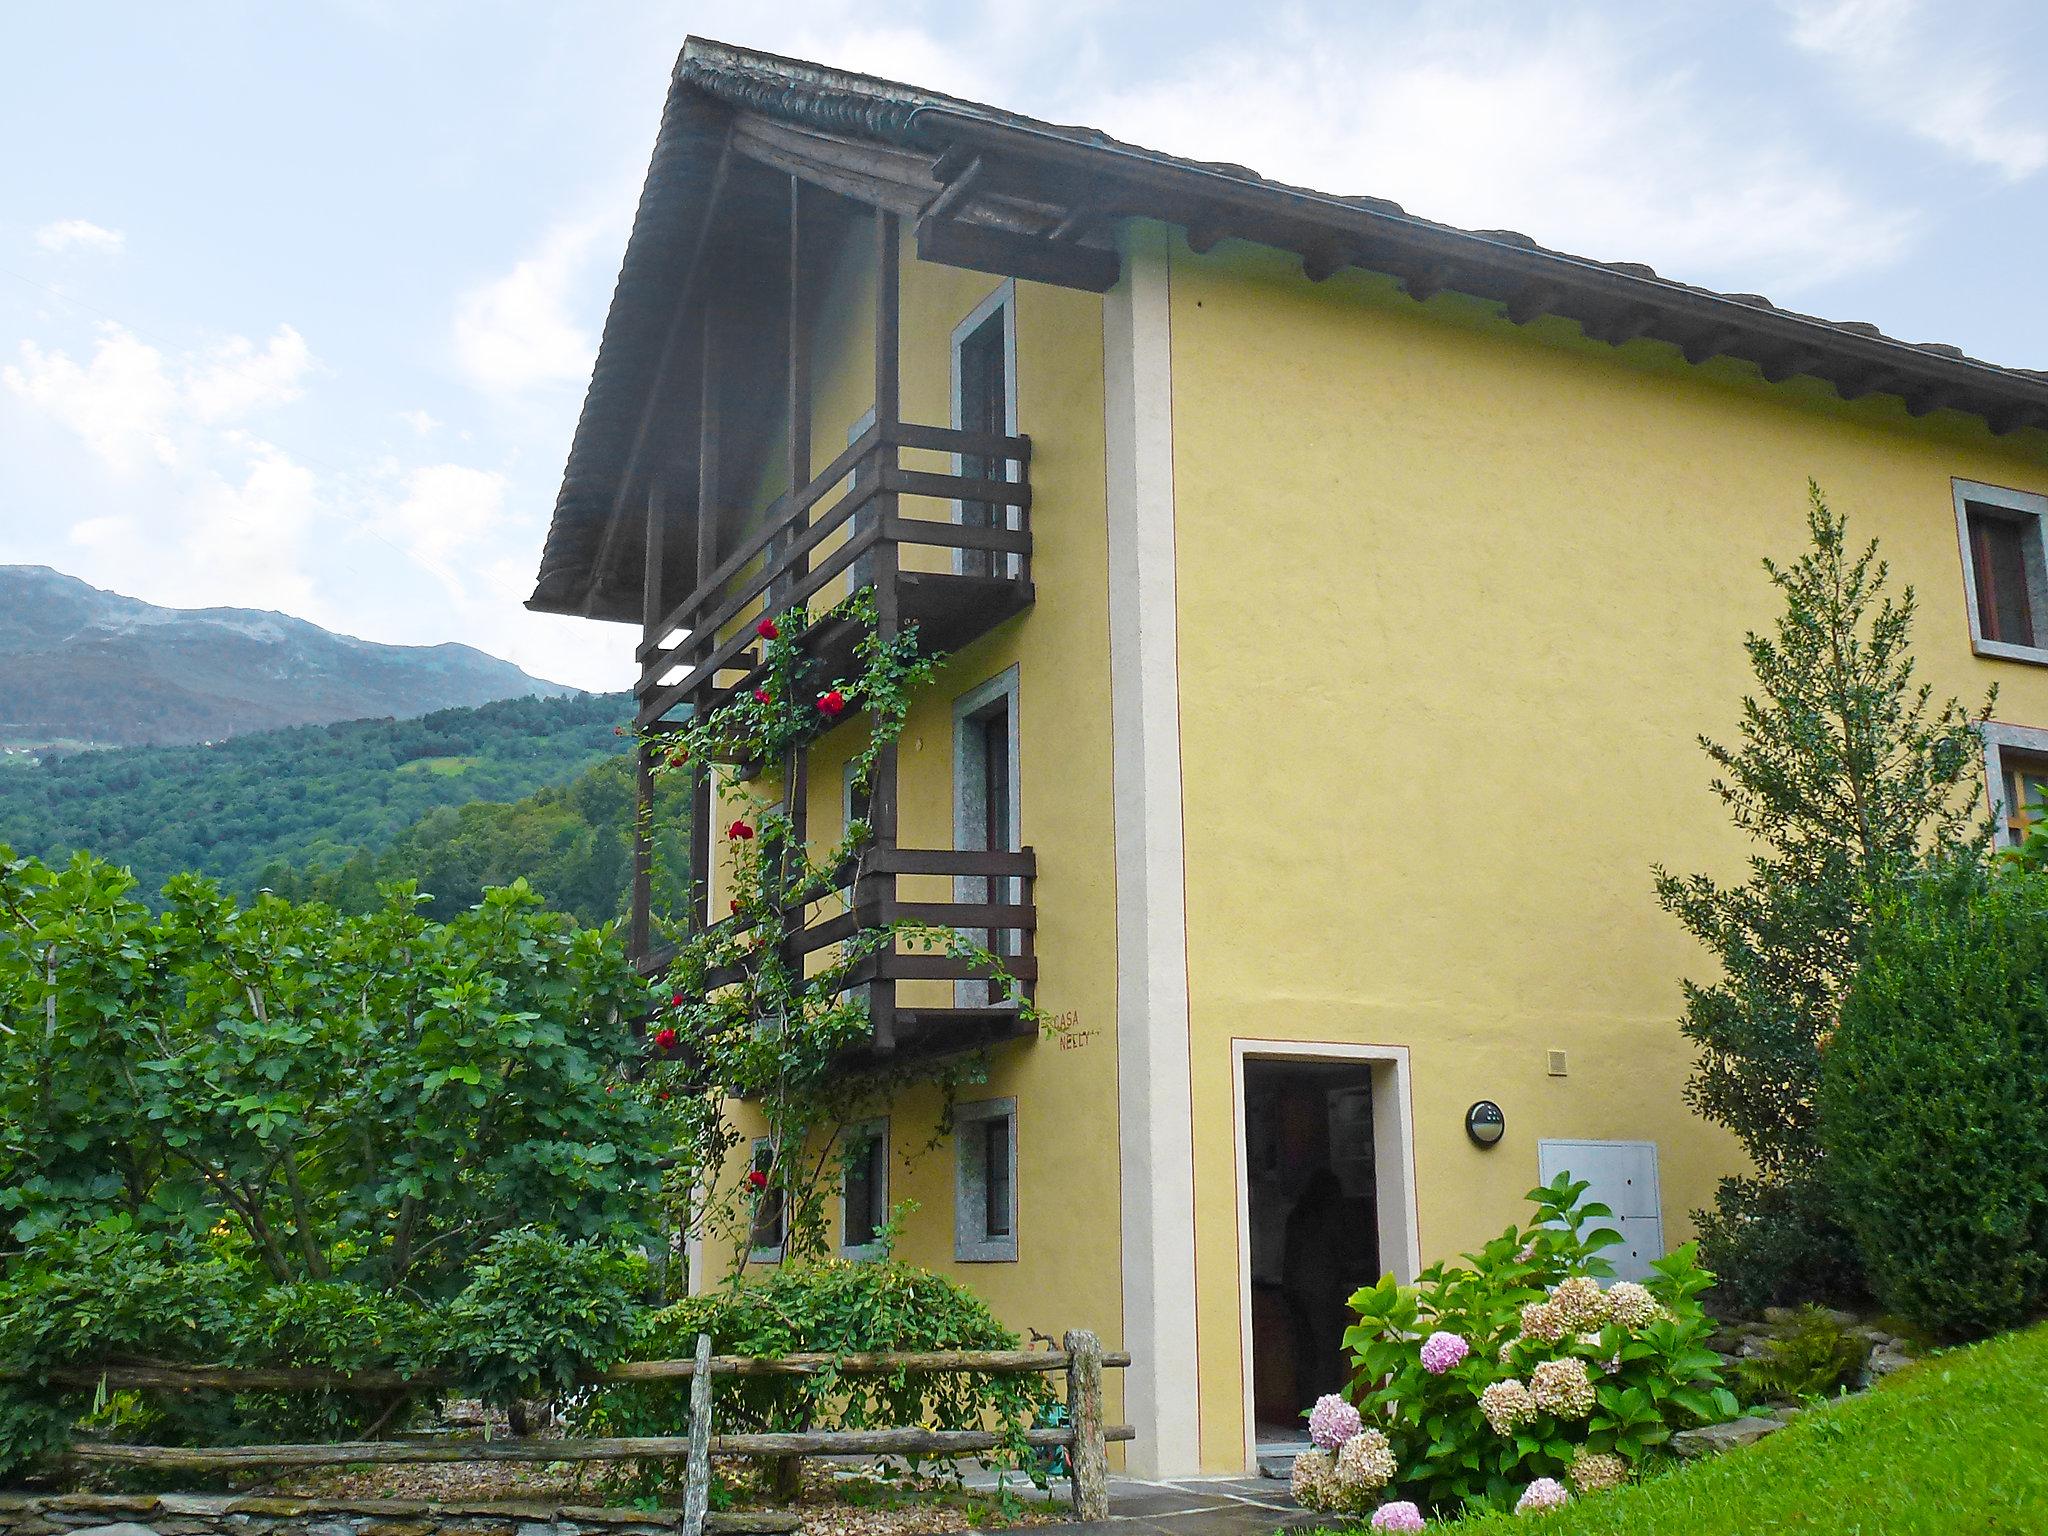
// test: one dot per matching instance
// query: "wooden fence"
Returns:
(1085, 1437)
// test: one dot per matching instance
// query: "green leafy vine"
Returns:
(743, 1014)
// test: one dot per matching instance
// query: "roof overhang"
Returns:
(998, 192)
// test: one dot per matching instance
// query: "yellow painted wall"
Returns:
(1067, 1274)
(1454, 600)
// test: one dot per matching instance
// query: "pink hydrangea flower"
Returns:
(1397, 1516)
(1544, 1493)
(1441, 1351)
(1332, 1422)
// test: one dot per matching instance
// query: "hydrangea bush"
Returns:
(1514, 1380)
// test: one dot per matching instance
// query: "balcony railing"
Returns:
(987, 895)
(953, 546)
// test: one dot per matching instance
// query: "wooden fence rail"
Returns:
(161, 1375)
(1085, 1437)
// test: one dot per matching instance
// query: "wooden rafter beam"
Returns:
(1621, 327)
(1777, 370)
(1324, 259)
(1426, 282)
(1533, 302)
(2006, 420)
(1709, 343)
(982, 248)
(954, 195)
(1204, 235)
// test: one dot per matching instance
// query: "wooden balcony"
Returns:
(925, 1003)
(946, 549)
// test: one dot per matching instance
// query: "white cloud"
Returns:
(1931, 73)
(80, 234)
(237, 379)
(444, 510)
(423, 423)
(120, 403)
(1572, 134)
(522, 329)
(131, 406)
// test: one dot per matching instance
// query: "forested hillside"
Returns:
(336, 797)
(573, 843)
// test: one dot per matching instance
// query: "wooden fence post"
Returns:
(1088, 1461)
(697, 1476)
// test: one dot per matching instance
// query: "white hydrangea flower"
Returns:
(1507, 1406)
(1562, 1388)
(1597, 1471)
(1631, 1305)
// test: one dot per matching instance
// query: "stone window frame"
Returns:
(971, 1242)
(2026, 504)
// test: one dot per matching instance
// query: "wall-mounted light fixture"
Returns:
(1485, 1123)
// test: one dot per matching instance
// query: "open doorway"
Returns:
(1313, 1228)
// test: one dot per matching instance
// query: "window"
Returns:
(986, 807)
(985, 1186)
(985, 400)
(862, 572)
(864, 1190)
(766, 1236)
(856, 799)
(2026, 787)
(2005, 569)
(2016, 766)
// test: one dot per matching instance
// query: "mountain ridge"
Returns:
(83, 666)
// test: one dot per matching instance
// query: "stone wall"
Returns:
(194, 1514)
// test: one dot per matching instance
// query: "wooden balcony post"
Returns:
(639, 928)
(799, 371)
(882, 796)
(700, 644)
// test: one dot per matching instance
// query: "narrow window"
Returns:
(862, 572)
(766, 1236)
(859, 799)
(984, 402)
(997, 834)
(865, 1193)
(2026, 790)
(1999, 559)
(985, 1189)
(2006, 569)
(995, 1155)
(985, 813)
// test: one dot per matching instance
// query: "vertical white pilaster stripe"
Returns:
(1154, 1096)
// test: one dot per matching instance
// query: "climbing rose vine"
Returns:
(752, 1019)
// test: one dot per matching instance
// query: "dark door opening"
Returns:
(1314, 1228)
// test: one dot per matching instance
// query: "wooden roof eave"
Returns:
(1609, 303)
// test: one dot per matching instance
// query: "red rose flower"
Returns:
(760, 695)
(665, 1039)
(739, 832)
(766, 630)
(663, 1095)
(680, 756)
(756, 1179)
(735, 906)
(676, 1001)
(831, 702)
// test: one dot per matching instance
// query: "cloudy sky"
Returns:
(297, 302)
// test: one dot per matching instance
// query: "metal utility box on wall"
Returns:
(1623, 1176)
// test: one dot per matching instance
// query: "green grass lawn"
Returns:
(1957, 1444)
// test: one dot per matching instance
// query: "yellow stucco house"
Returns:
(1333, 598)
